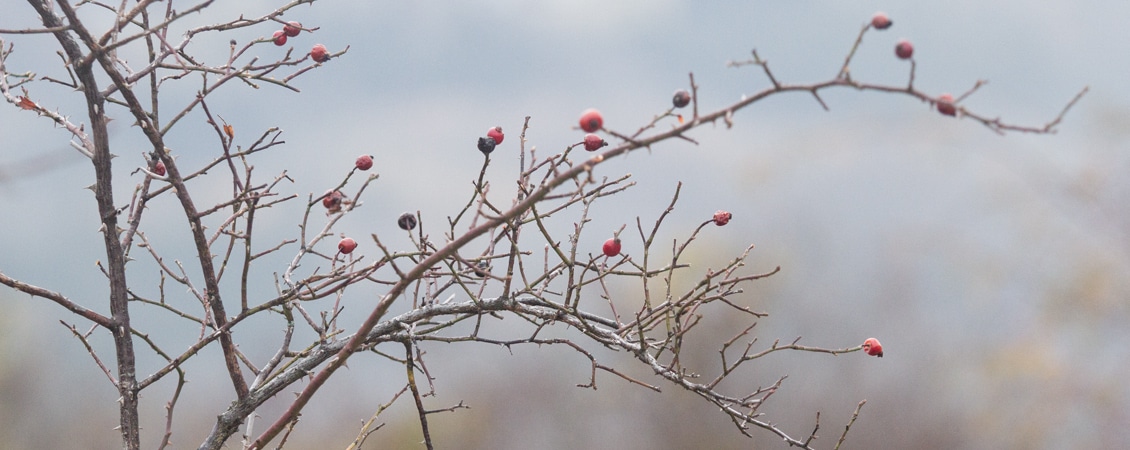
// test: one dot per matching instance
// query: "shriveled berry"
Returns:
(292, 29)
(873, 347)
(682, 98)
(159, 168)
(611, 247)
(279, 37)
(594, 142)
(946, 106)
(486, 145)
(880, 21)
(722, 217)
(319, 53)
(591, 120)
(406, 221)
(364, 162)
(332, 200)
(482, 269)
(347, 245)
(904, 49)
(496, 134)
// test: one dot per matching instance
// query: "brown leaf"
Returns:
(26, 103)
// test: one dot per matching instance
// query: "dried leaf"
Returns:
(26, 103)
(680, 116)
(230, 131)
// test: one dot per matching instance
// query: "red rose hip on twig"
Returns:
(279, 37)
(159, 168)
(880, 21)
(904, 49)
(347, 245)
(722, 217)
(611, 247)
(364, 162)
(496, 134)
(292, 29)
(594, 142)
(332, 200)
(946, 106)
(873, 347)
(591, 120)
(319, 53)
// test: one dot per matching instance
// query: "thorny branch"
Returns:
(457, 290)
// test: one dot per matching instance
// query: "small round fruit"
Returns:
(904, 49)
(346, 245)
(611, 247)
(364, 162)
(292, 29)
(332, 200)
(946, 106)
(873, 347)
(482, 269)
(279, 37)
(496, 134)
(594, 142)
(486, 145)
(722, 217)
(880, 21)
(319, 53)
(406, 221)
(682, 98)
(159, 168)
(591, 120)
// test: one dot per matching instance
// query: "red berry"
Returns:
(722, 217)
(591, 120)
(880, 21)
(346, 245)
(946, 106)
(612, 247)
(496, 134)
(593, 142)
(332, 200)
(364, 162)
(904, 49)
(319, 53)
(279, 38)
(682, 98)
(292, 29)
(159, 168)
(873, 347)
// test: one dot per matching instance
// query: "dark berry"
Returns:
(406, 221)
(682, 98)
(486, 145)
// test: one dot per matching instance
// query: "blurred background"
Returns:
(993, 269)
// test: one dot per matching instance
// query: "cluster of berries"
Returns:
(905, 50)
(318, 53)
